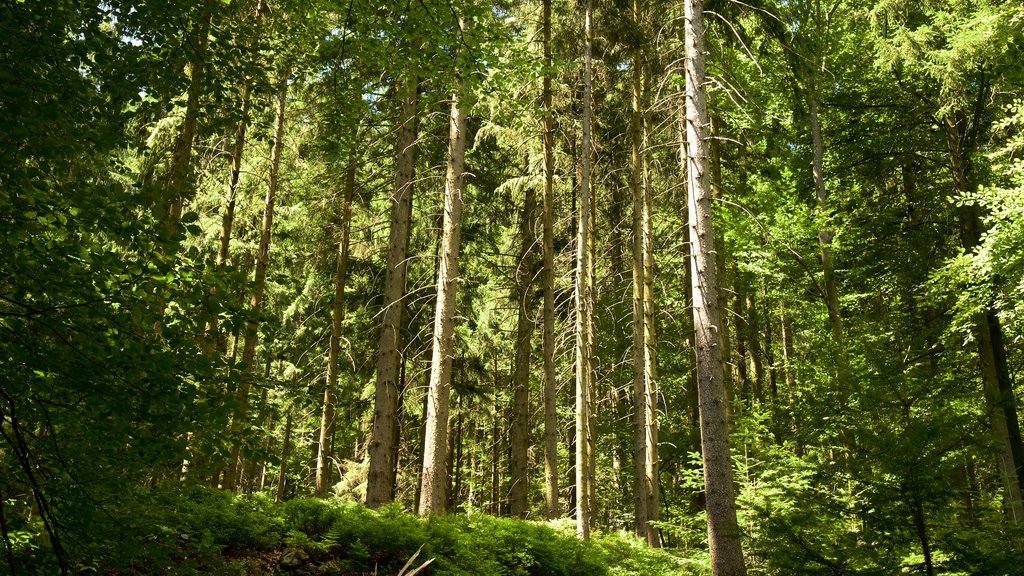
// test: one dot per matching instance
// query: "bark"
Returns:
(434, 479)
(835, 319)
(181, 159)
(520, 437)
(260, 279)
(214, 338)
(723, 529)
(651, 461)
(551, 504)
(286, 448)
(996, 381)
(645, 431)
(583, 302)
(729, 363)
(323, 471)
(384, 437)
(639, 351)
(237, 149)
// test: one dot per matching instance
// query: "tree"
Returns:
(584, 302)
(384, 443)
(433, 498)
(260, 279)
(551, 504)
(723, 529)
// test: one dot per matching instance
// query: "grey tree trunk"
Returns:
(384, 437)
(551, 504)
(723, 528)
(435, 450)
(327, 408)
(584, 300)
(835, 319)
(260, 280)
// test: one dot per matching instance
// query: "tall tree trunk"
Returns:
(835, 319)
(286, 450)
(260, 279)
(181, 159)
(723, 528)
(996, 382)
(639, 351)
(583, 301)
(323, 473)
(645, 431)
(214, 339)
(520, 437)
(550, 385)
(434, 480)
(384, 437)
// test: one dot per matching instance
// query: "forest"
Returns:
(524, 287)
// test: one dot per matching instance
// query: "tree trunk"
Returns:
(323, 472)
(228, 215)
(645, 430)
(835, 319)
(181, 159)
(723, 528)
(260, 280)
(384, 437)
(434, 480)
(286, 448)
(996, 382)
(550, 384)
(520, 437)
(583, 302)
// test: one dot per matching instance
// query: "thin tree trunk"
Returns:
(645, 432)
(214, 339)
(639, 349)
(583, 297)
(435, 449)
(723, 528)
(835, 319)
(551, 504)
(520, 437)
(384, 437)
(496, 446)
(323, 471)
(181, 159)
(286, 448)
(260, 280)
(237, 149)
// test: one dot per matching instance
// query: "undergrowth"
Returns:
(204, 531)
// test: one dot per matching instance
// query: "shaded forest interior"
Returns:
(340, 286)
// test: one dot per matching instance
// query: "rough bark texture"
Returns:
(323, 471)
(380, 485)
(583, 301)
(260, 279)
(551, 504)
(520, 436)
(435, 450)
(723, 529)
